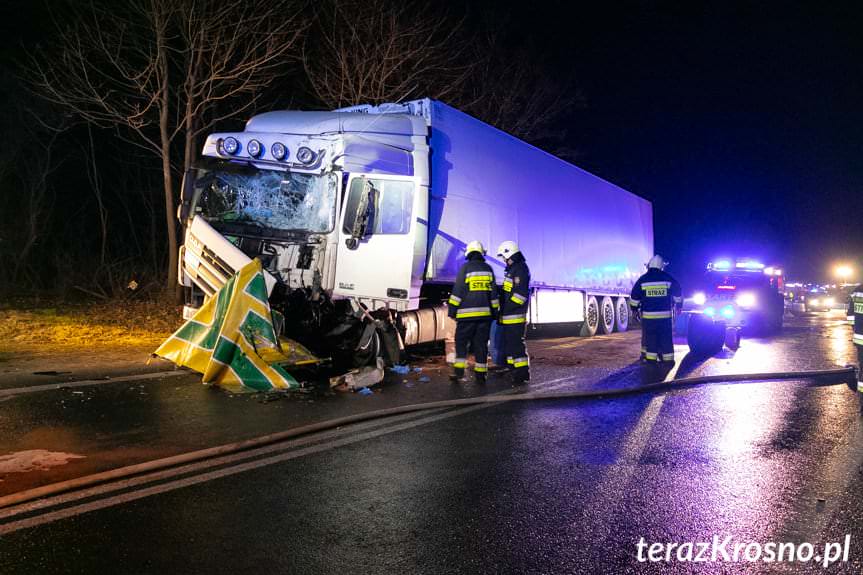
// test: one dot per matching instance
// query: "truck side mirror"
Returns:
(186, 191)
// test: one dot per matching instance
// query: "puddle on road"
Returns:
(33, 460)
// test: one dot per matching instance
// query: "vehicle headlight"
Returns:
(746, 300)
(698, 298)
(815, 301)
(830, 302)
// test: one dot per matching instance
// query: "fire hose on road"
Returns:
(838, 376)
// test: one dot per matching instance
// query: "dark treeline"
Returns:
(103, 106)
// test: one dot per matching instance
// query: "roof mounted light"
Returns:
(254, 148)
(230, 145)
(720, 265)
(279, 151)
(750, 265)
(306, 155)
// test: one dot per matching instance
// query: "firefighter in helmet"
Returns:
(513, 311)
(473, 304)
(855, 316)
(656, 293)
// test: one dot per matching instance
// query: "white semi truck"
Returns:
(360, 217)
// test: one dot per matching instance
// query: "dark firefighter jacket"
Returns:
(474, 295)
(855, 313)
(656, 292)
(516, 291)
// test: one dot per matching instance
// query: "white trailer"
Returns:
(364, 212)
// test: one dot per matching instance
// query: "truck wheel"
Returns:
(606, 315)
(621, 314)
(591, 317)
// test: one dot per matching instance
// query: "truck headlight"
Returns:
(829, 302)
(746, 300)
(698, 298)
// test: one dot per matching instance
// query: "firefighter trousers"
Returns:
(657, 343)
(859, 367)
(515, 350)
(471, 336)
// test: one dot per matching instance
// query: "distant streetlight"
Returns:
(843, 272)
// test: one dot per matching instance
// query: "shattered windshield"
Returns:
(270, 199)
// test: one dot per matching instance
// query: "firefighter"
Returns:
(513, 310)
(855, 314)
(473, 304)
(656, 293)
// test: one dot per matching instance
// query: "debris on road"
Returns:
(359, 378)
(400, 369)
(365, 391)
(232, 342)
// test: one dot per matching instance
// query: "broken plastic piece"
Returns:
(402, 369)
(424, 379)
(365, 391)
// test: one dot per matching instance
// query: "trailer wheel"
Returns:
(591, 317)
(606, 315)
(621, 314)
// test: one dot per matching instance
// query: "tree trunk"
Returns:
(165, 137)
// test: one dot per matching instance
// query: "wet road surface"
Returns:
(540, 487)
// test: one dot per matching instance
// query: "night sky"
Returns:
(742, 122)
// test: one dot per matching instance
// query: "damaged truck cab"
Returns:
(360, 217)
(302, 191)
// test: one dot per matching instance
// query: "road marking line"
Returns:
(202, 478)
(86, 382)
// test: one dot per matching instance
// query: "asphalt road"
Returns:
(529, 487)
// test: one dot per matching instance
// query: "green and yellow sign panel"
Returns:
(232, 342)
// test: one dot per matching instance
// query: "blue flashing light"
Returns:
(254, 148)
(231, 145)
(722, 265)
(727, 312)
(279, 151)
(709, 311)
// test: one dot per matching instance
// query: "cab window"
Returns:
(390, 205)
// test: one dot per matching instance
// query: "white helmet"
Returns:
(474, 246)
(507, 249)
(657, 262)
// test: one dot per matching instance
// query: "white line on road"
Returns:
(86, 382)
(216, 474)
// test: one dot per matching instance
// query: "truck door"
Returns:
(376, 240)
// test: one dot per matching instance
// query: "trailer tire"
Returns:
(621, 314)
(606, 315)
(591, 317)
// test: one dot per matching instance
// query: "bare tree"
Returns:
(515, 91)
(374, 51)
(157, 69)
